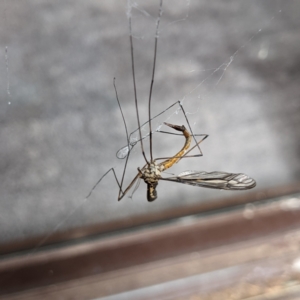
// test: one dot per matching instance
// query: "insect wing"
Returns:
(215, 180)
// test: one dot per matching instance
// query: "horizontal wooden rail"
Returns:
(148, 219)
(186, 235)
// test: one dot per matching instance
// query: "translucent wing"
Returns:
(215, 180)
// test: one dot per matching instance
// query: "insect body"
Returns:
(151, 173)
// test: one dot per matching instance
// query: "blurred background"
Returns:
(234, 65)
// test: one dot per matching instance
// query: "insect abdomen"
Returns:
(151, 192)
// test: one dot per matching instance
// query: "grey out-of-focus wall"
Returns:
(234, 64)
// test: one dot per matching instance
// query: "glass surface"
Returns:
(233, 65)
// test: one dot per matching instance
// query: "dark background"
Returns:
(235, 64)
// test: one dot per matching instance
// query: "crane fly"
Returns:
(151, 172)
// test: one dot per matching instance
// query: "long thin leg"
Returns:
(124, 151)
(121, 193)
(152, 79)
(127, 137)
(96, 184)
(191, 131)
(134, 87)
(129, 187)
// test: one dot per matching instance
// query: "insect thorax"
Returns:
(151, 175)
